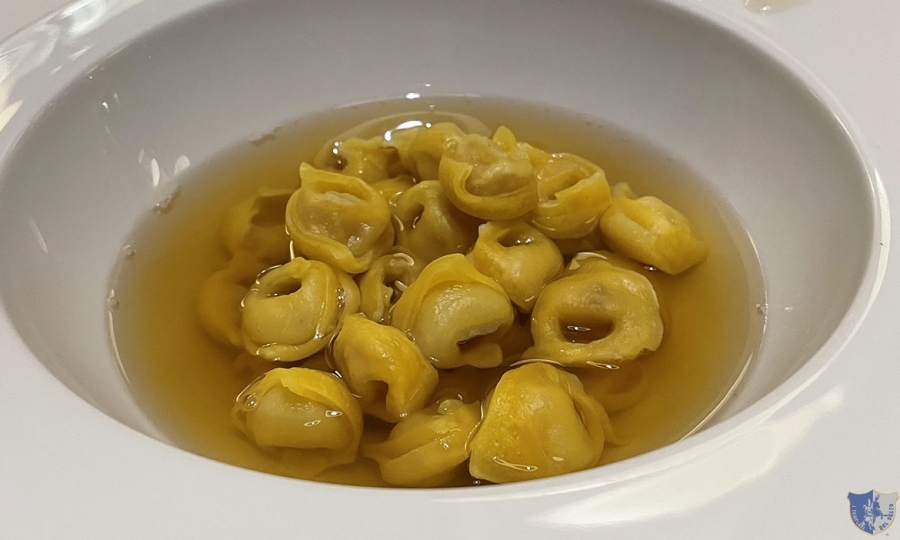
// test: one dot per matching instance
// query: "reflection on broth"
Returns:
(437, 299)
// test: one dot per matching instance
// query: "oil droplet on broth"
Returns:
(165, 353)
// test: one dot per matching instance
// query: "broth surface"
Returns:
(187, 382)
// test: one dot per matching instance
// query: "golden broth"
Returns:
(187, 383)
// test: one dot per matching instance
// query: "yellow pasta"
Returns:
(489, 180)
(455, 314)
(428, 448)
(421, 148)
(339, 220)
(615, 389)
(384, 368)
(417, 277)
(219, 302)
(428, 224)
(592, 241)
(307, 415)
(370, 159)
(538, 422)
(518, 257)
(385, 282)
(572, 193)
(292, 311)
(392, 188)
(650, 231)
(599, 314)
(255, 227)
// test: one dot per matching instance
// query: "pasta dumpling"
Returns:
(384, 283)
(367, 159)
(429, 225)
(308, 415)
(538, 422)
(339, 220)
(392, 188)
(421, 148)
(599, 314)
(219, 302)
(384, 368)
(455, 314)
(255, 227)
(650, 231)
(518, 257)
(572, 193)
(615, 389)
(292, 310)
(487, 179)
(427, 448)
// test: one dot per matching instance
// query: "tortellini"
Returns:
(455, 313)
(292, 311)
(427, 448)
(369, 160)
(219, 302)
(518, 257)
(309, 414)
(392, 188)
(421, 148)
(650, 231)
(453, 284)
(384, 368)
(339, 220)
(385, 282)
(429, 225)
(538, 422)
(615, 389)
(489, 180)
(255, 227)
(600, 314)
(573, 193)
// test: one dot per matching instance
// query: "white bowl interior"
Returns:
(108, 148)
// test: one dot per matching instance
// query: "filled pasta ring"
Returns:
(573, 193)
(429, 447)
(255, 227)
(385, 282)
(455, 314)
(650, 231)
(602, 315)
(219, 302)
(384, 368)
(339, 220)
(428, 224)
(489, 180)
(308, 416)
(538, 422)
(292, 311)
(518, 257)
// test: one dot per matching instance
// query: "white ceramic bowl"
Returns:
(168, 81)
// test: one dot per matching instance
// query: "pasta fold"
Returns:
(598, 314)
(307, 415)
(292, 310)
(650, 231)
(427, 448)
(428, 224)
(538, 422)
(384, 368)
(518, 257)
(455, 314)
(487, 179)
(339, 220)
